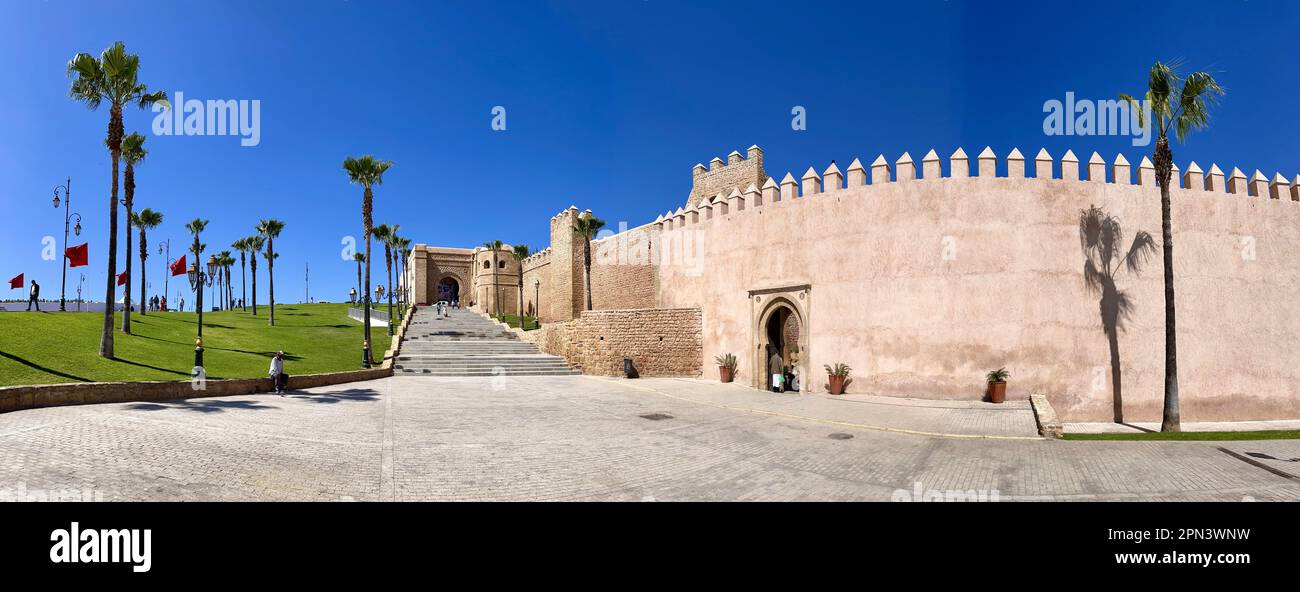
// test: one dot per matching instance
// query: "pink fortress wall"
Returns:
(884, 299)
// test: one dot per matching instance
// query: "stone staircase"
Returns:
(465, 343)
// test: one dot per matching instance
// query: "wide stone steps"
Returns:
(467, 344)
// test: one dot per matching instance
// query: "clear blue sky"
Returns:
(609, 104)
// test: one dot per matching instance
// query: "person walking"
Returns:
(163, 303)
(182, 308)
(777, 370)
(278, 377)
(34, 297)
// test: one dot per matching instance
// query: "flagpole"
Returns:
(167, 273)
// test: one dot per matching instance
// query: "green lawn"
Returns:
(513, 321)
(64, 347)
(1192, 436)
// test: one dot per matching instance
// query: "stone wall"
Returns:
(724, 177)
(623, 270)
(661, 342)
(924, 282)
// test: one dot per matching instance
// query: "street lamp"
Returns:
(198, 280)
(212, 273)
(537, 303)
(68, 214)
(167, 256)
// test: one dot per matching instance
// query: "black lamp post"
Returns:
(537, 304)
(68, 214)
(198, 280)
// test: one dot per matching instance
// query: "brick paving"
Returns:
(584, 438)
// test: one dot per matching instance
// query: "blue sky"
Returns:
(609, 104)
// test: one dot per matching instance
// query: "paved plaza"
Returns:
(588, 438)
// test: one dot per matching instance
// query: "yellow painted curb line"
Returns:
(819, 420)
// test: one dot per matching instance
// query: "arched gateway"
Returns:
(448, 289)
(780, 337)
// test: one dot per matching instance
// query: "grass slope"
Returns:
(64, 347)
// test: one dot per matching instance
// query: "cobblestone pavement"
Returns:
(585, 438)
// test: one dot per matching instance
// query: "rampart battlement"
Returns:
(720, 177)
(1194, 180)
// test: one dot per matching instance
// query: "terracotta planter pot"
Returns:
(837, 385)
(725, 374)
(997, 392)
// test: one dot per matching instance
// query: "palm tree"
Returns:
(359, 257)
(521, 252)
(112, 77)
(145, 220)
(255, 244)
(133, 152)
(384, 234)
(242, 245)
(195, 227)
(1181, 106)
(1101, 238)
(586, 227)
(224, 261)
(404, 251)
(366, 171)
(270, 229)
(494, 246)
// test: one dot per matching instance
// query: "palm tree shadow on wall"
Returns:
(1101, 238)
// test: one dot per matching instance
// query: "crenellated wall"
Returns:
(923, 282)
(925, 276)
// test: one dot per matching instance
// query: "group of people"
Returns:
(784, 378)
(157, 304)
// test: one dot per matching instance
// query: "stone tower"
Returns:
(736, 174)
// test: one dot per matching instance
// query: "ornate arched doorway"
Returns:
(781, 345)
(448, 289)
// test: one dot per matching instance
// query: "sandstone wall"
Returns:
(924, 284)
(623, 270)
(661, 342)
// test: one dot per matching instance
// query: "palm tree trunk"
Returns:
(388, 262)
(360, 294)
(110, 292)
(143, 255)
(1116, 381)
(1171, 421)
(243, 283)
(586, 265)
(253, 265)
(126, 286)
(367, 205)
(270, 273)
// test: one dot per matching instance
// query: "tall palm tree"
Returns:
(243, 247)
(494, 246)
(1182, 106)
(133, 153)
(1101, 238)
(359, 257)
(225, 260)
(404, 250)
(270, 229)
(113, 77)
(521, 252)
(255, 244)
(587, 226)
(196, 227)
(366, 171)
(145, 220)
(384, 234)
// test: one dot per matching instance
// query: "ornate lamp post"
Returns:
(198, 280)
(212, 273)
(68, 214)
(79, 282)
(537, 304)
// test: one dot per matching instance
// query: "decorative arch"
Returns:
(779, 320)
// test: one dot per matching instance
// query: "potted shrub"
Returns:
(998, 385)
(837, 374)
(726, 367)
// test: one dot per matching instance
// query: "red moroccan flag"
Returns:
(78, 255)
(16, 283)
(178, 268)
(121, 278)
